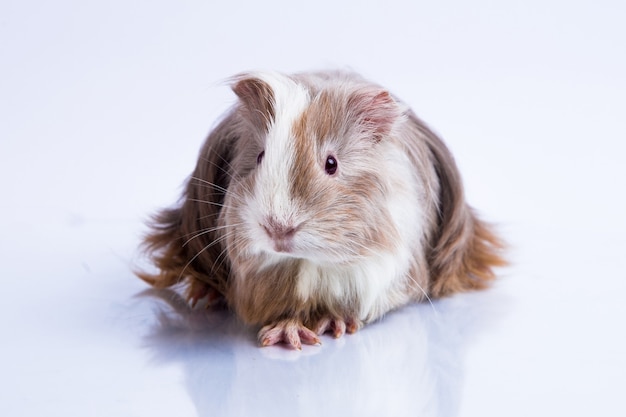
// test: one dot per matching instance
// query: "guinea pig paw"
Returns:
(337, 326)
(289, 331)
(199, 290)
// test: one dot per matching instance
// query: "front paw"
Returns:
(289, 331)
(337, 326)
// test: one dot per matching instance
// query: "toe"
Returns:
(353, 326)
(292, 337)
(270, 335)
(339, 328)
(309, 337)
(323, 326)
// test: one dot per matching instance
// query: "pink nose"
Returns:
(281, 234)
(277, 230)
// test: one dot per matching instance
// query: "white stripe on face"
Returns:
(290, 101)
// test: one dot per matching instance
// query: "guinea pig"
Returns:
(319, 203)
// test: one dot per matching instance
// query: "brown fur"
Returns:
(182, 244)
(463, 249)
(336, 116)
(270, 297)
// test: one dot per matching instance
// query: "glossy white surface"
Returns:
(104, 107)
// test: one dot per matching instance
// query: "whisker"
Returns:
(209, 183)
(414, 281)
(236, 246)
(209, 230)
(216, 241)
(217, 266)
(223, 160)
(212, 203)
(219, 167)
(223, 191)
(217, 213)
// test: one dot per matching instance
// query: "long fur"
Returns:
(184, 243)
(463, 249)
(259, 180)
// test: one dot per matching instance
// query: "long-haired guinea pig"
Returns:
(319, 203)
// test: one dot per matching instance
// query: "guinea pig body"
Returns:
(318, 204)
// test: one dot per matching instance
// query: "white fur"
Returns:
(366, 281)
(272, 192)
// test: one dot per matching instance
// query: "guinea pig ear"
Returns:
(376, 111)
(257, 98)
(464, 249)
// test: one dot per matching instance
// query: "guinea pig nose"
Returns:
(278, 230)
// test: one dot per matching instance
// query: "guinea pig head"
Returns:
(308, 182)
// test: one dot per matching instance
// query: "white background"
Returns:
(103, 108)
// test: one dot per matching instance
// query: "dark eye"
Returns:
(259, 158)
(331, 165)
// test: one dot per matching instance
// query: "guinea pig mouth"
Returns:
(283, 246)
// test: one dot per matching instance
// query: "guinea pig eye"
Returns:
(331, 165)
(259, 158)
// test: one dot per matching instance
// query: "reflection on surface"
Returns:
(409, 363)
